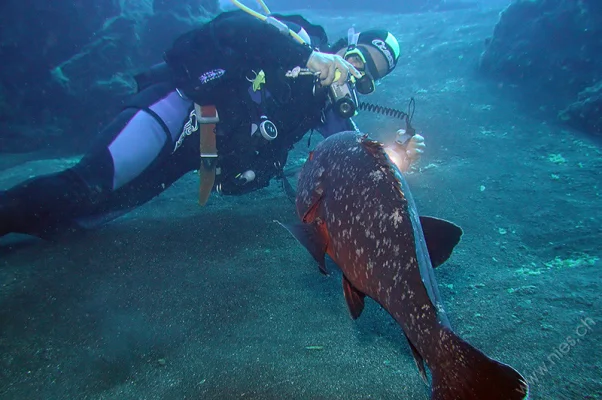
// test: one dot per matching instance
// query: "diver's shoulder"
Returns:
(232, 14)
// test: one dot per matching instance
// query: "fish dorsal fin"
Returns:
(311, 237)
(355, 298)
(441, 237)
(377, 150)
(374, 147)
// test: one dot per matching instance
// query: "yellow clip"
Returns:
(258, 81)
(338, 73)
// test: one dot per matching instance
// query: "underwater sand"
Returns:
(177, 302)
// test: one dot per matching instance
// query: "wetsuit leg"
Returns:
(131, 161)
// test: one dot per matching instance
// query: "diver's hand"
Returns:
(326, 66)
(414, 147)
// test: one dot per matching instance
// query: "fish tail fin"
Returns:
(468, 374)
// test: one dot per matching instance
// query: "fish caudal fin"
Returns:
(465, 373)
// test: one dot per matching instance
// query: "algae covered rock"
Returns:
(586, 112)
(67, 66)
(551, 46)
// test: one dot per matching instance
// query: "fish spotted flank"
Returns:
(355, 206)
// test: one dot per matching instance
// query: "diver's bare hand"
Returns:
(326, 65)
(414, 148)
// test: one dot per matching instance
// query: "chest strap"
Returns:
(207, 116)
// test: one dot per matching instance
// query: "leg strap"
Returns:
(207, 117)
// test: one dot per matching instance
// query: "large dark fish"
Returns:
(356, 207)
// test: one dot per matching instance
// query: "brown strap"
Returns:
(207, 117)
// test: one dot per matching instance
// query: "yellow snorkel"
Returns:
(268, 19)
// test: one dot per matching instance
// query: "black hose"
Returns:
(377, 108)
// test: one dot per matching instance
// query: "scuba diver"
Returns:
(231, 99)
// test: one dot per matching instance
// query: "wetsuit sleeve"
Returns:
(334, 124)
(259, 43)
(234, 40)
(231, 42)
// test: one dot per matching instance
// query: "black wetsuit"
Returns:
(147, 146)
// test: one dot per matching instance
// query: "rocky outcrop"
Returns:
(67, 66)
(586, 112)
(553, 47)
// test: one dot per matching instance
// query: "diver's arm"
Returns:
(231, 42)
(258, 43)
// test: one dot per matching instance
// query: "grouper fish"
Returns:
(355, 206)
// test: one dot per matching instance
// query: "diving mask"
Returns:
(366, 83)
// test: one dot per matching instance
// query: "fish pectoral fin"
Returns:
(419, 362)
(313, 239)
(355, 298)
(441, 237)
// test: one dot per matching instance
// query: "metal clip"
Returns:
(208, 120)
